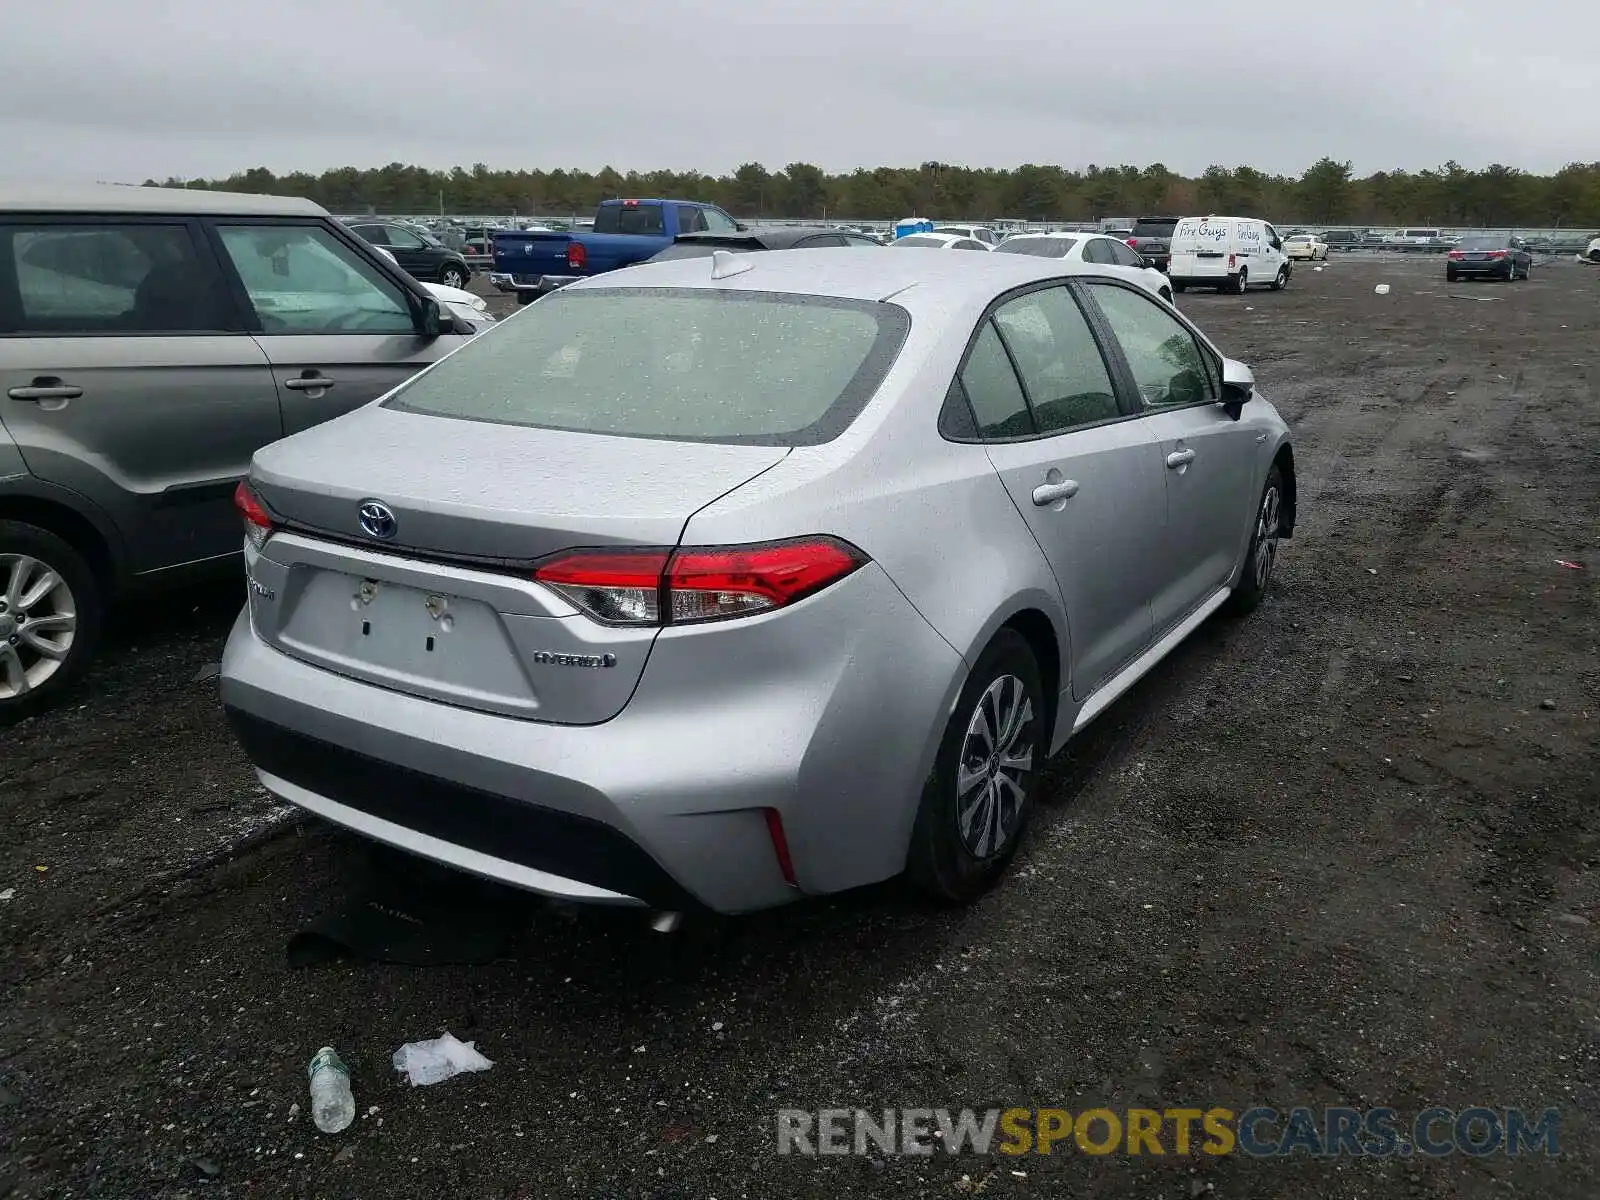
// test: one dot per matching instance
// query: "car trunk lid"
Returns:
(445, 606)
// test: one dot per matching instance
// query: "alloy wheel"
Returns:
(38, 623)
(1267, 526)
(997, 760)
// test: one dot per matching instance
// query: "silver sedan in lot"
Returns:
(721, 582)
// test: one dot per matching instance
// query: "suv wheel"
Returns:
(453, 276)
(49, 617)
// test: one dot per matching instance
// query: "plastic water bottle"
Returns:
(332, 1105)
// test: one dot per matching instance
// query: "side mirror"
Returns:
(741, 226)
(1238, 386)
(436, 320)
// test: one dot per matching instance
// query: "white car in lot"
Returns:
(981, 233)
(1307, 246)
(939, 241)
(1591, 252)
(1112, 255)
(1227, 253)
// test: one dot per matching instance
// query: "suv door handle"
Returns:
(309, 383)
(1180, 458)
(46, 388)
(1047, 494)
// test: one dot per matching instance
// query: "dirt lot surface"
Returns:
(1342, 852)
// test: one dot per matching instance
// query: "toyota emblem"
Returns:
(377, 519)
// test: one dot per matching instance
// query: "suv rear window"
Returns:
(689, 364)
(643, 219)
(1156, 227)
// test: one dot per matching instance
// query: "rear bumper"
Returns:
(528, 285)
(1487, 269)
(829, 713)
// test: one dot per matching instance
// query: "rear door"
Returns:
(1212, 464)
(337, 328)
(1086, 479)
(126, 376)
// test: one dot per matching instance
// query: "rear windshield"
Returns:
(1039, 247)
(689, 364)
(1483, 243)
(917, 239)
(1155, 227)
(644, 219)
(704, 249)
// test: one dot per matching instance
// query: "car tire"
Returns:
(1180, 288)
(1450, 276)
(1240, 282)
(526, 297)
(453, 275)
(1281, 279)
(1262, 556)
(961, 844)
(27, 554)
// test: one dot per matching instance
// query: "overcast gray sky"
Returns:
(106, 89)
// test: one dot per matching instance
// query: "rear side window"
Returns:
(998, 405)
(100, 279)
(1038, 247)
(690, 364)
(643, 220)
(692, 220)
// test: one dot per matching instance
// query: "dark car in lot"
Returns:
(1342, 239)
(419, 253)
(772, 237)
(1489, 256)
(1152, 240)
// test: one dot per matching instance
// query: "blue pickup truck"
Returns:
(533, 262)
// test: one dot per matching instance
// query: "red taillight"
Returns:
(1134, 242)
(630, 204)
(696, 583)
(577, 256)
(1231, 259)
(780, 845)
(1497, 254)
(1455, 254)
(257, 520)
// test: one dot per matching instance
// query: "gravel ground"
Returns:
(1342, 852)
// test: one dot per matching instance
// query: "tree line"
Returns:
(1328, 193)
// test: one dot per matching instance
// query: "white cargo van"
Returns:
(1227, 253)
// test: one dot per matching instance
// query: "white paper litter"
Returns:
(1382, 289)
(424, 1063)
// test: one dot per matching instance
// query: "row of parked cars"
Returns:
(717, 582)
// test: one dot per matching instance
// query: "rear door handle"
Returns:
(1047, 494)
(42, 390)
(1180, 458)
(309, 383)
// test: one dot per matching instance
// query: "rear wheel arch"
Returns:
(72, 527)
(1036, 629)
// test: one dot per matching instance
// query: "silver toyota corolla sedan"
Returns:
(721, 582)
